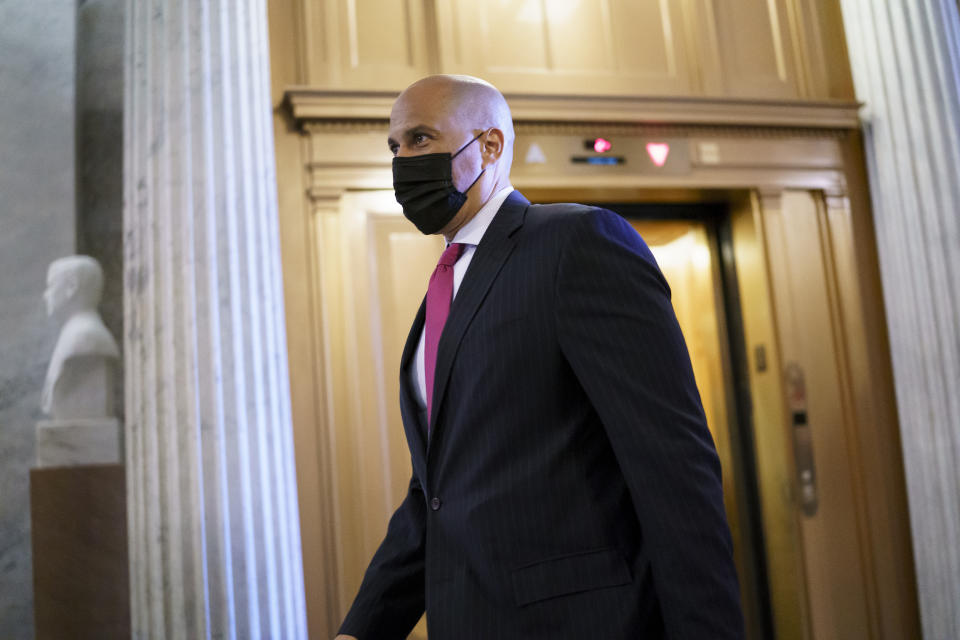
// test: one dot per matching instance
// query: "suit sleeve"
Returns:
(391, 596)
(618, 331)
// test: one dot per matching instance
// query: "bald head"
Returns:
(456, 102)
(474, 102)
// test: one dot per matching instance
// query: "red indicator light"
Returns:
(602, 145)
(658, 152)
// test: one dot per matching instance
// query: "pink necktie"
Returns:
(439, 296)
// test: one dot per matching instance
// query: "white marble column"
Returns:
(212, 500)
(905, 56)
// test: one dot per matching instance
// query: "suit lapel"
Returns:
(409, 408)
(490, 255)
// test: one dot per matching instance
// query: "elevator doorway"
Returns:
(689, 242)
(374, 270)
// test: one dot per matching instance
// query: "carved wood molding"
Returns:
(310, 104)
(530, 127)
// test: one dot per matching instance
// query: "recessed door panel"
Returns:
(373, 274)
(810, 334)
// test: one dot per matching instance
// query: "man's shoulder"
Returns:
(590, 227)
(571, 218)
(558, 215)
(565, 210)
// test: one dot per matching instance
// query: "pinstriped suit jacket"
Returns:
(569, 487)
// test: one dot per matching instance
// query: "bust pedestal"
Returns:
(78, 532)
(80, 441)
(78, 509)
(78, 432)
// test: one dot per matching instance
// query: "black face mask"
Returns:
(424, 188)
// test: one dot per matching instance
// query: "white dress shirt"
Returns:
(470, 235)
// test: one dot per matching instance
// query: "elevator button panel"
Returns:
(796, 390)
(554, 157)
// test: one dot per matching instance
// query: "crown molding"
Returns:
(310, 104)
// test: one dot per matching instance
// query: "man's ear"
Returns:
(492, 146)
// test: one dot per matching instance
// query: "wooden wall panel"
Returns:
(581, 36)
(762, 49)
(511, 37)
(612, 47)
(834, 60)
(358, 44)
(755, 48)
(657, 51)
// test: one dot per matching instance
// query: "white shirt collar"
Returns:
(472, 232)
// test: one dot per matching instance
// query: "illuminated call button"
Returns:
(599, 145)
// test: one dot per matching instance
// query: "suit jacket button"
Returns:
(435, 504)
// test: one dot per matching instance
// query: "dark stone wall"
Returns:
(99, 140)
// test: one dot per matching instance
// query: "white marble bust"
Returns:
(80, 377)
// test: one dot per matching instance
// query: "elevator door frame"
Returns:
(324, 159)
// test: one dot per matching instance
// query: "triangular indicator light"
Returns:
(535, 155)
(658, 152)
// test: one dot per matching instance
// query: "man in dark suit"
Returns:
(564, 482)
